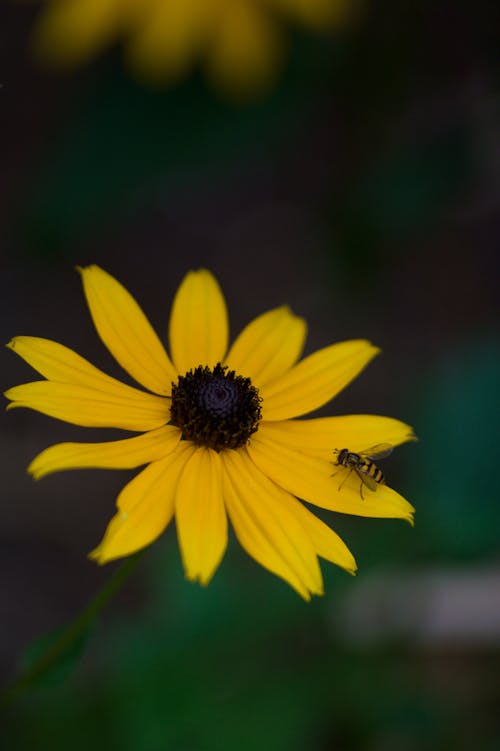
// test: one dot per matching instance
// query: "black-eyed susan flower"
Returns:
(240, 43)
(217, 430)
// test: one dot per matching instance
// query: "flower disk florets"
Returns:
(215, 407)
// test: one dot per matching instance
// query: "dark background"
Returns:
(363, 191)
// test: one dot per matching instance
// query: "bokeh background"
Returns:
(362, 189)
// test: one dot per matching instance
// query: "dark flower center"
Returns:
(215, 407)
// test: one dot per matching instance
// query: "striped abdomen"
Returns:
(370, 468)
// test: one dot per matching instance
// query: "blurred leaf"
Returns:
(68, 655)
(127, 144)
(51, 657)
(408, 188)
(401, 194)
(454, 473)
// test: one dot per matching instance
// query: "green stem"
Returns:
(23, 682)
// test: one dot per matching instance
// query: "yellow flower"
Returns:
(240, 43)
(218, 430)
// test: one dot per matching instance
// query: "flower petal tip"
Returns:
(34, 473)
(289, 313)
(203, 274)
(202, 581)
(349, 565)
(308, 594)
(37, 471)
(199, 577)
(202, 271)
(92, 267)
(97, 556)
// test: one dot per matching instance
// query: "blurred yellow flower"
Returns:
(240, 43)
(217, 430)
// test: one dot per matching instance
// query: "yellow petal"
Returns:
(145, 507)
(310, 478)
(315, 380)
(92, 408)
(70, 32)
(266, 524)
(124, 454)
(324, 434)
(247, 50)
(126, 331)
(268, 346)
(198, 330)
(326, 542)
(200, 515)
(167, 41)
(59, 363)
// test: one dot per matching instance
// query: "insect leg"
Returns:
(363, 481)
(345, 478)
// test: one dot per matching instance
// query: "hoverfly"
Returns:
(363, 463)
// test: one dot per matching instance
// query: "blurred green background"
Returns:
(363, 191)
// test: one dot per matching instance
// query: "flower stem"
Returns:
(67, 638)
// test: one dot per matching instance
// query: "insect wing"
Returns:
(367, 480)
(380, 451)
